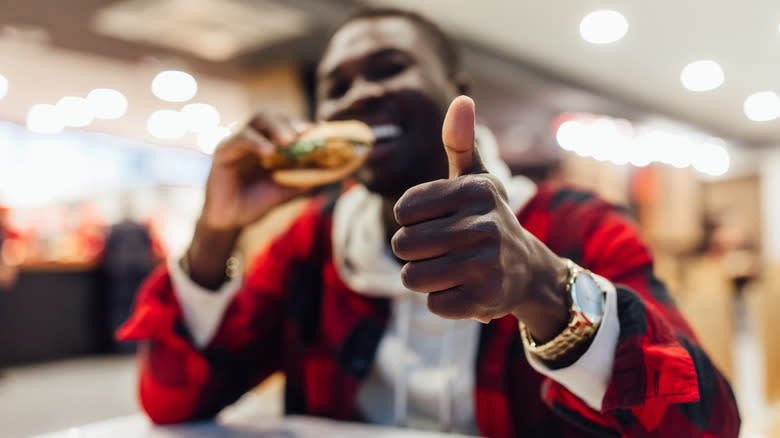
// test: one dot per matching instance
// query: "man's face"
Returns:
(386, 72)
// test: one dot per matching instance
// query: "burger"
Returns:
(326, 153)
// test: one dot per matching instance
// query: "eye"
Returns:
(387, 70)
(337, 89)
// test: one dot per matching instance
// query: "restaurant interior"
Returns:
(110, 112)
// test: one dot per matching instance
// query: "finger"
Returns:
(440, 198)
(238, 146)
(454, 303)
(459, 303)
(432, 275)
(280, 130)
(437, 237)
(457, 134)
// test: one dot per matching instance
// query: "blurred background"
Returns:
(109, 111)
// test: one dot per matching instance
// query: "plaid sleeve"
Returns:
(179, 382)
(662, 382)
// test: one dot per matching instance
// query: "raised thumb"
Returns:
(457, 134)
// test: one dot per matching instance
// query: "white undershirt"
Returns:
(424, 366)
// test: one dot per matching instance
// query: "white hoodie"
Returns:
(416, 378)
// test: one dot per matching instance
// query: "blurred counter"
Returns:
(58, 267)
(54, 311)
(244, 426)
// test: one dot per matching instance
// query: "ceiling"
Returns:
(644, 67)
(532, 51)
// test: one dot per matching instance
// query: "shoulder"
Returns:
(556, 195)
(555, 198)
(563, 214)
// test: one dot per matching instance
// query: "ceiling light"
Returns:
(3, 86)
(167, 124)
(603, 27)
(174, 86)
(762, 106)
(107, 103)
(75, 111)
(200, 116)
(44, 119)
(712, 159)
(209, 139)
(619, 142)
(569, 134)
(702, 75)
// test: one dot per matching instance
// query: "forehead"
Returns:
(365, 36)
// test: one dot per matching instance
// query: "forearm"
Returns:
(664, 380)
(179, 380)
(172, 382)
(659, 383)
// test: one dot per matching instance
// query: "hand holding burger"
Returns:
(270, 161)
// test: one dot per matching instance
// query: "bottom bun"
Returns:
(307, 178)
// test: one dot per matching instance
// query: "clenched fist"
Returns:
(465, 248)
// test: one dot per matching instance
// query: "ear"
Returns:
(462, 82)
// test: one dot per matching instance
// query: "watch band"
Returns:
(232, 266)
(578, 331)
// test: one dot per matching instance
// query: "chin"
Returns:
(383, 185)
(394, 185)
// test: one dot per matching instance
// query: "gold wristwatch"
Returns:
(587, 301)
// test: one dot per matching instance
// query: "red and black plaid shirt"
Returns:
(294, 314)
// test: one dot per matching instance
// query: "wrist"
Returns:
(549, 309)
(208, 253)
(587, 301)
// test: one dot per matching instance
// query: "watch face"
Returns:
(588, 297)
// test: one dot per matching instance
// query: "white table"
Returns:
(138, 426)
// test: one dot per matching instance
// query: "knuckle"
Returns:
(486, 225)
(474, 187)
(481, 191)
(484, 187)
(483, 228)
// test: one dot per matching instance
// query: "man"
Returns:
(347, 320)
(128, 258)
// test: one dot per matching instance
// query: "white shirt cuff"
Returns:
(588, 377)
(202, 308)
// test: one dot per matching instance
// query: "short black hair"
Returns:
(446, 47)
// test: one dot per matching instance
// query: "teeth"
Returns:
(384, 132)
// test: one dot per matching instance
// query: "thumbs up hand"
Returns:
(465, 248)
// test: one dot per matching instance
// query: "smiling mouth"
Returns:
(386, 132)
